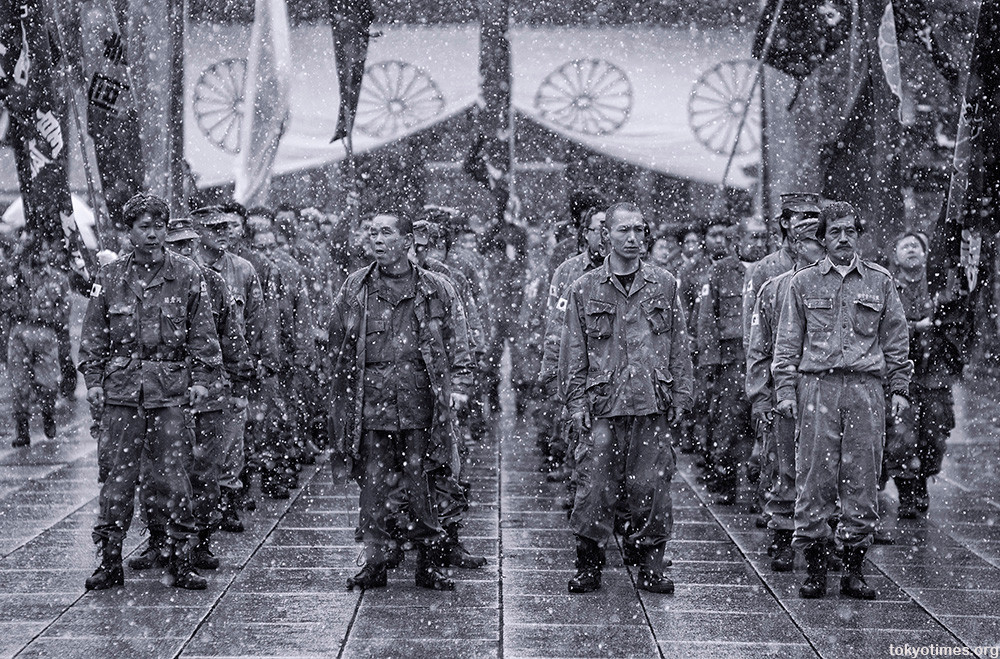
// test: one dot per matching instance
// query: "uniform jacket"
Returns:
(149, 345)
(692, 276)
(555, 311)
(38, 295)
(297, 324)
(935, 350)
(767, 268)
(760, 348)
(626, 354)
(852, 324)
(251, 314)
(477, 337)
(444, 347)
(237, 366)
(720, 314)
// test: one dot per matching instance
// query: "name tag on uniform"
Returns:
(95, 290)
(562, 304)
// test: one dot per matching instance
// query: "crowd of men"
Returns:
(233, 346)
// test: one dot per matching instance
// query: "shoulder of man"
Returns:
(871, 265)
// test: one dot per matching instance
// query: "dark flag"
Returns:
(913, 22)
(969, 220)
(805, 34)
(351, 21)
(38, 129)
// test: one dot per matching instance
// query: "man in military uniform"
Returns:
(777, 433)
(399, 343)
(213, 224)
(38, 292)
(696, 263)
(629, 381)
(722, 363)
(915, 443)
(842, 330)
(148, 351)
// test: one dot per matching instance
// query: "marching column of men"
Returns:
(209, 353)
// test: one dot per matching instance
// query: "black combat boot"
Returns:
(273, 486)
(430, 560)
(23, 436)
(907, 498)
(156, 554)
(48, 405)
(920, 496)
(783, 556)
(589, 561)
(852, 584)
(651, 575)
(202, 557)
(632, 553)
(817, 553)
(372, 575)
(456, 555)
(230, 518)
(245, 500)
(182, 569)
(110, 573)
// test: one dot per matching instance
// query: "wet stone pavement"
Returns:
(280, 591)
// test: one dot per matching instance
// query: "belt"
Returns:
(154, 355)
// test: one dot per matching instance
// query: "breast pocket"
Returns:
(598, 319)
(121, 322)
(659, 316)
(173, 325)
(867, 314)
(819, 314)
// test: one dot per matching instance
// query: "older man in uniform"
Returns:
(148, 350)
(842, 330)
(629, 380)
(399, 342)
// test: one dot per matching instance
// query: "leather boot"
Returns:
(651, 575)
(456, 555)
(109, 574)
(430, 560)
(181, 568)
(589, 561)
(632, 553)
(202, 558)
(23, 436)
(783, 558)
(907, 498)
(230, 518)
(48, 405)
(155, 555)
(372, 575)
(245, 500)
(920, 496)
(852, 584)
(816, 567)
(834, 556)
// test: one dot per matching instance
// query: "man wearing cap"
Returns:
(148, 351)
(777, 433)
(629, 381)
(722, 362)
(841, 333)
(232, 381)
(401, 368)
(213, 226)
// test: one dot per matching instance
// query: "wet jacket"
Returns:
(627, 354)
(238, 368)
(760, 346)
(852, 324)
(477, 336)
(38, 295)
(720, 314)
(251, 314)
(148, 345)
(296, 324)
(555, 311)
(767, 268)
(443, 346)
(936, 351)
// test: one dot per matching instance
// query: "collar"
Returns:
(826, 265)
(642, 275)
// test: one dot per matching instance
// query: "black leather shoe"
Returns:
(586, 580)
(853, 585)
(106, 576)
(654, 582)
(372, 575)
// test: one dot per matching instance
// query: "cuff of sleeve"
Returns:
(784, 393)
(905, 393)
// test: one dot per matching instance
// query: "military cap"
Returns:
(209, 215)
(803, 227)
(426, 231)
(180, 229)
(800, 202)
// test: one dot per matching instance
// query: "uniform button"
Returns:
(135, 355)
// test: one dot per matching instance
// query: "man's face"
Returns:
(147, 234)
(595, 235)
(389, 246)
(691, 245)
(307, 231)
(663, 252)
(809, 250)
(841, 239)
(910, 254)
(717, 240)
(183, 247)
(215, 236)
(467, 241)
(264, 242)
(626, 234)
(753, 243)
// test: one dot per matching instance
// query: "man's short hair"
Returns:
(145, 204)
(234, 208)
(403, 221)
(583, 200)
(261, 211)
(620, 207)
(835, 211)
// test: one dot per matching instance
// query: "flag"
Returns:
(806, 33)
(265, 100)
(29, 86)
(913, 23)
(112, 111)
(859, 161)
(970, 213)
(351, 21)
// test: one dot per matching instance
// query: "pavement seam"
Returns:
(638, 595)
(500, 561)
(350, 625)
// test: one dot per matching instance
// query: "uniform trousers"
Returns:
(33, 364)
(915, 446)
(779, 497)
